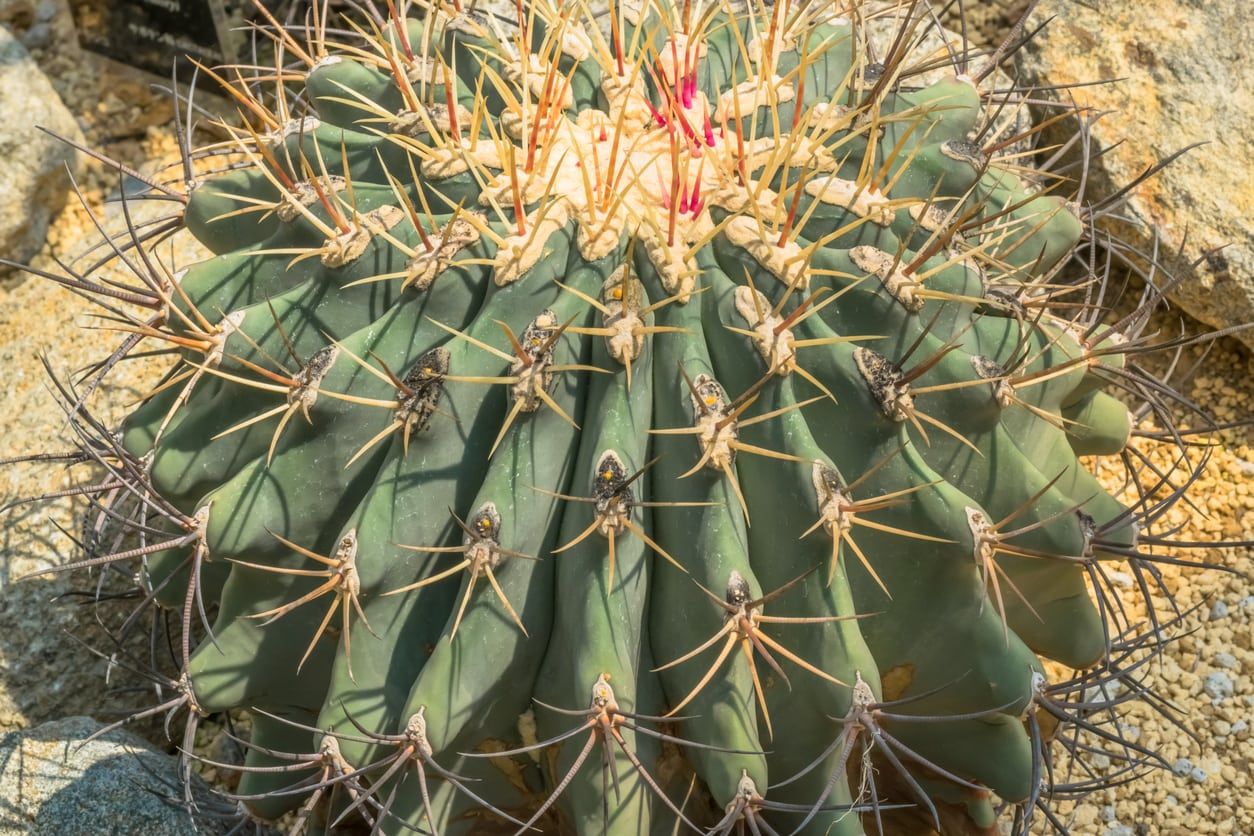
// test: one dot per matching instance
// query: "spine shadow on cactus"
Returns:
(663, 418)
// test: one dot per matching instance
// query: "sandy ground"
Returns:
(1208, 674)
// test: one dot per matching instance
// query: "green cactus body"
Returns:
(656, 417)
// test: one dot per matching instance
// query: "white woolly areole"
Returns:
(304, 194)
(450, 239)
(751, 94)
(679, 56)
(786, 263)
(347, 247)
(775, 343)
(519, 253)
(217, 343)
(866, 202)
(882, 265)
(675, 268)
(831, 499)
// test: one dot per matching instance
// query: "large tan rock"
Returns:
(32, 163)
(1185, 80)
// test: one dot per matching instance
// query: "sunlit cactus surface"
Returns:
(643, 419)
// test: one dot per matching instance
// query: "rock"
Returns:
(1176, 59)
(33, 186)
(1218, 685)
(1182, 767)
(52, 783)
(1218, 610)
(21, 17)
(987, 22)
(18, 14)
(1105, 692)
(1225, 660)
(1121, 579)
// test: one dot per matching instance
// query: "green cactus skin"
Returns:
(631, 449)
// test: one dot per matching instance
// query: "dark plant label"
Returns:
(155, 35)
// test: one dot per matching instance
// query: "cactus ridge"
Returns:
(661, 418)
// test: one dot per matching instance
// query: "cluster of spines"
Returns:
(433, 271)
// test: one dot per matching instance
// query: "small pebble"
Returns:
(1218, 685)
(1107, 813)
(1182, 767)
(1118, 829)
(1121, 579)
(1105, 692)
(1225, 660)
(1239, 726)
(1197, 774)
(1218, 610)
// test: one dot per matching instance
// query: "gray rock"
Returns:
(1105, 692)
(52, 783)
(38, 36)
(1117, 829)
(33, 186)
(1198, 775)
(1176, 59)
(1218, 610)
(1182, 767)
(21, 15)
(1224, 659)
(1218, 685)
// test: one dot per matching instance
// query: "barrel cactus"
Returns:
(630, 420)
